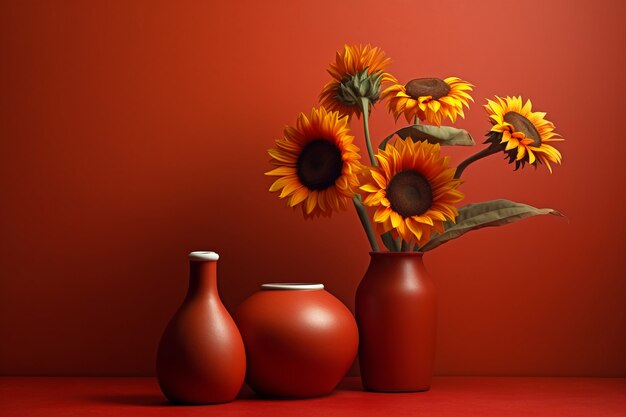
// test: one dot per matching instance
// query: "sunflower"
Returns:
(317, 163)
(521, 133)
(431, 99)
(414, 190)
(358, 72)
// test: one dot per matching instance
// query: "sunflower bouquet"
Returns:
(413, 190)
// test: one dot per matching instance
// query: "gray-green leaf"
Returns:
(486, 214)
(443, 135)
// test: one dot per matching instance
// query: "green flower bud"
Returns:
(360, 85)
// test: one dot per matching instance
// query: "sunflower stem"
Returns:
(365, 104)
(388, 241)
(416, 121)
(477, 156)
(365, 222)
(405, 246)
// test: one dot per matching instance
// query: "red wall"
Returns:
(134, 132)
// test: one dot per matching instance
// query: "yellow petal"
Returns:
(290, 188)
(415, 228)
(281, 182)
(511, 144)
(282, 171)
(374, 199)
(311, 202)
(382, 214)
(370, 188)
(282, 156)
(380, 180)
(298, 196)
(396, 219)
(423, 219)
(434, 105)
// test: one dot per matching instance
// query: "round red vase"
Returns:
(300, 340)
(397, 318)
(201, 357)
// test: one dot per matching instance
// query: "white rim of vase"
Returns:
(291, 286)
(203, 256)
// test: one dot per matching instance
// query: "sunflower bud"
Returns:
(360, 85)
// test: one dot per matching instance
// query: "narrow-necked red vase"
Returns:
(201, 357)
(396, 315)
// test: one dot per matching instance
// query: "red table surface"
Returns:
(449, 396)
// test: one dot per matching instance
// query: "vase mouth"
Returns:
(387, 253)
(297, 286)
(203, 255)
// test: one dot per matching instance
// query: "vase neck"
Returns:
(395, 264)
(395, 257)
(202, 278)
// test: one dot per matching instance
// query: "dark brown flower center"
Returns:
(409, 193)
(319, 164)
(421, 87)
(522, 124)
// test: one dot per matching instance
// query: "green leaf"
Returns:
(388, 241)
(443, 135)
(486, 214)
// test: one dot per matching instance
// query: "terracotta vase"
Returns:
(201, 357)
(396, 315)
(300, 340)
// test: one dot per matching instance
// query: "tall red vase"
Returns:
(396, 315)
(201, 357)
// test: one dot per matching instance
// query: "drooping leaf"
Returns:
(443, 135)
(486, 214)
